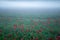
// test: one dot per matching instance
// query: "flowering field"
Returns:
(29, 28)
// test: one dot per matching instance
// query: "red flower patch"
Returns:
(36, 38)
(49, 19)
(27, 30)
(50, 39)
(37, 31)
(40, 30)
(0, 30)
(32, 26)
(58, 38)
(21, 38)
(14, 39)
(48, 22)
(15, 26)
(5, 38)
(35, 23)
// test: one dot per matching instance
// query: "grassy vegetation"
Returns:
(28, 28)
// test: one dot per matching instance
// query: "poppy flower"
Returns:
(49, 19)
(35, 23)
(21, 38)
(37, 31)
(40, 30)
(0, 30)
(50, 39)
(32, 26)
(48, 22)
(5, 38)
(14, 39)
(58, 38)
(36, 38)
(27, 30)
(55, 20)
(15, 26)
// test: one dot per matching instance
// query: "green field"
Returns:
(29, 28)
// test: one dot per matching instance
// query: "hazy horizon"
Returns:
(30, 8)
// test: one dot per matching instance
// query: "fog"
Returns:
(42, 9)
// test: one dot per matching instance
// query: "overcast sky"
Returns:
(33, 4)
(30, 4)
(29, 0)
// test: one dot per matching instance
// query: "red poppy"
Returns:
(21, 38)
(50, 39)
(9, 35)
(35, 23)
(49, 19)
(0, 30)
(36, 38)
(5, 38)
(58, 38)
(15, 26)
(32, 26)
(55, 20)
(14, 39)
(37, 31)
(40, 30)
(48, 22)
(27, 30)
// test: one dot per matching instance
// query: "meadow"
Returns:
(29, 28)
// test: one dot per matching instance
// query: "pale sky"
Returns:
(30, 4)
(29, 0)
